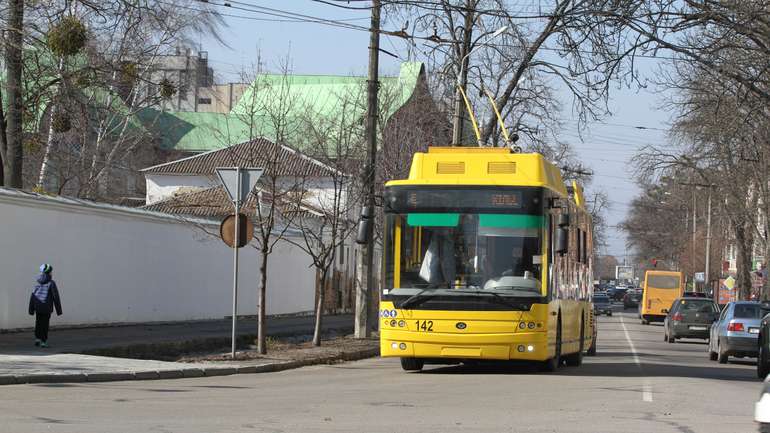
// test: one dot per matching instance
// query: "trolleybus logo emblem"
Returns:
(460, 325)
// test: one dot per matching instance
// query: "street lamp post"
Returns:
(462, 81)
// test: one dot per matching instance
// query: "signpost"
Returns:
(238, 183)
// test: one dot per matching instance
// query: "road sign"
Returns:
(238, 182)
(245, 230)
(248, 179)
(700, 277)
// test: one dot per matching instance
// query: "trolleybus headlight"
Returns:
(401, 323)
(394, 346)
(402, 346)
(520, 348)
(530, 348)
(393, 323)
(522, 325)
(531, 325)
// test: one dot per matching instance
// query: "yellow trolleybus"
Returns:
(487, 256)
(660, 290)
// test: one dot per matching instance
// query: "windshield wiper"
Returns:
(497, 299)
(415, 300)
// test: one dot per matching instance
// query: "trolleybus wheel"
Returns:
(552, 364)
(575, 359)
(411, 364)
(592, 350)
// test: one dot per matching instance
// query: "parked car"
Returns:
(736, 331)
(632, 298)
(762, 408)
(689, 317)
(602, 305)
(763, 340)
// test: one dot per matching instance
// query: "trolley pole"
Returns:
(236, 238)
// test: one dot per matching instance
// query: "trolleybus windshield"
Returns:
(441, 253)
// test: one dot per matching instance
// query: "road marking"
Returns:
(646, 386)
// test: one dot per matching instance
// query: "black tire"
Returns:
(763, 363)
(609, 314)
(576, 359)
(592, 350)
(712, 356)
(721, 356)
(553, 364)
(412, 364)
(671, 339)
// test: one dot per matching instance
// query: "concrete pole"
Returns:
(365, 280)
(694, 283)
(708, 241)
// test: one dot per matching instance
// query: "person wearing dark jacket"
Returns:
(42, 301)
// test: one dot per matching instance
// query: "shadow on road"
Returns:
(604, 369)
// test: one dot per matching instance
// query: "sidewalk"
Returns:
(64, 361)
(86, 339)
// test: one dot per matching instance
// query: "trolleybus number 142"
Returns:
(424, 325)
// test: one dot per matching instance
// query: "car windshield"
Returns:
(697, 306)
(749, 311)
(439, 251)
(663, 281)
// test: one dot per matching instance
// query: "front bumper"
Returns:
(532, 346)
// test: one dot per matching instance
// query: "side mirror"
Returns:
(561, 241)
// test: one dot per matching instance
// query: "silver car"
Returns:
(735, 332)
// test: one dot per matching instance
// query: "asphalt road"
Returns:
(637, 383)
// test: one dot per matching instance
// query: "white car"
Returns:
(762, 408)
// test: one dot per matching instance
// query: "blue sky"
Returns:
(320, 49)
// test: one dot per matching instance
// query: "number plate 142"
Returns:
(424, 325)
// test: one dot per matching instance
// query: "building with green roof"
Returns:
(273, 104)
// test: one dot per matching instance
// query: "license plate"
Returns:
(697, 328)
(753, 330)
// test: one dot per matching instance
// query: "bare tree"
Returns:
(92, 66)
(590, 51)
(327, 219)
(11, 150)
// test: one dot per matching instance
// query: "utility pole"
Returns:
(708, 242)
(694, 283)
(365, 278)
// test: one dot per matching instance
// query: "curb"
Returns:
(184, 373)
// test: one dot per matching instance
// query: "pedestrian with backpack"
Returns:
(42, 301)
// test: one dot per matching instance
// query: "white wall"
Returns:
(116, 264)
(162, 186)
